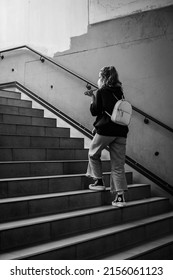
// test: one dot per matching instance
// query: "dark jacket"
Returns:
(105, 101)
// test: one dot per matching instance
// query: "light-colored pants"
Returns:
(117, 147)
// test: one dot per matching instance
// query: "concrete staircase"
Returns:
(46, 209)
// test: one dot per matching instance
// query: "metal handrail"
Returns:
(51, 61)
(147, 117)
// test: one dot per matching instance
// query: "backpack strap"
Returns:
(123, 98)
(115, 97)
(114, 105)
(108, 114)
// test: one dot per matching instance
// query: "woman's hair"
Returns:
(109, 76)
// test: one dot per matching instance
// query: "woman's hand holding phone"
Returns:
(89, 93)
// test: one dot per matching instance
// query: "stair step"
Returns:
(22, 111)
(17, 119)
(23, 154)
(45, 204)
(15, 102)
(59, 183)
(31, 130)
(99, 242)
(60, 225)
(10, 94)
(11, 169)
(157, 249)
(32, 206)
(14, 141)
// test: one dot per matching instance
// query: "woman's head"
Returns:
(108, 76)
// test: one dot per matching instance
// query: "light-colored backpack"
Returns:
(122, 112)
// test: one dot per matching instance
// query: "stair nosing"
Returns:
(73, 214)
(48, 195)
(45, 161)
(49, 118)
(35, 126)
(157, 245)
(142, 248)
(32, 137)
(20, 107)
(11, 91)
(18, 99)
(84, 237)
(49, 177)
(41, 148)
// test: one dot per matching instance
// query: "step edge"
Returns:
(131, 252)
(34, 126)
(30, 101)
(74, 214)
(42, 137)
(85, 237)
(47, 177)
(20, 107)
(47, 161)
(50, 195)
(47, 118)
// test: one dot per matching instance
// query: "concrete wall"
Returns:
(140, 46)
(101, 10)
(48, 25)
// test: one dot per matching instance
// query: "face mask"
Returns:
(99, 83)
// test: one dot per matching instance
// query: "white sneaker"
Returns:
(119, 201)
(118, 204)
(97, 186)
